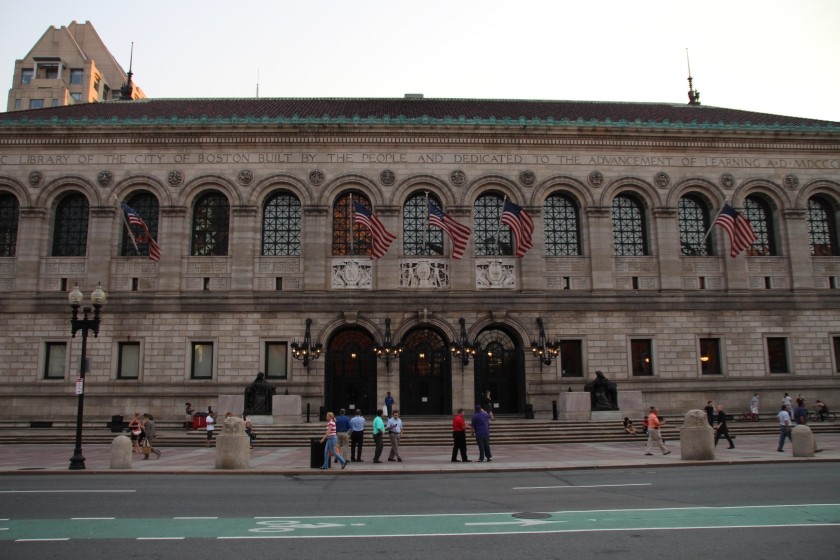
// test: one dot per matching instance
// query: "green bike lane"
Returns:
(420, 525)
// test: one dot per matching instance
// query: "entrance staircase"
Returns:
(427, 431)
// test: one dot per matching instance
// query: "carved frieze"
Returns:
(424, 273)
(495, 274)
(352, 274)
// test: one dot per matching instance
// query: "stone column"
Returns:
(386, 269)
(245, 237)
(601, 247)
(532, 265)
(32, 238)
(101, 236)
(462, 271)
(316, 244)
(697, 438)
(799, 250)
(668, 248)
(174, 240)
(233, 446)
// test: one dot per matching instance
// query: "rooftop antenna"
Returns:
(127, 89)
(258, 83)
(693, 94)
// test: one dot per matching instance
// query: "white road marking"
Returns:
(582, 486)
(65, 491)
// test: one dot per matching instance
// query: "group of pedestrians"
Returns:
(342, 431)
(142, 432)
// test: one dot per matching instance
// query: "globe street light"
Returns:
(85, 324)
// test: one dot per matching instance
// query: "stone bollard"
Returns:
(121, 453)
(233, 446)
(697, 438)
(803, 441)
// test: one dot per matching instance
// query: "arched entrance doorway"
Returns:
(350, 372)
(425, 374)
(500, 367)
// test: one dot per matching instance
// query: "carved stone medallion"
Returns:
(596, 178)
(387, 177)
(104, 178)
(175, 178)
(458, 178)
(316, 177)
(727, 181)
(791, 181)
(662, 179)
(36, 178)
(245, 177)
(527, 178)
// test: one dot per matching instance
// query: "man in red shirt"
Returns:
(459, 437)
(654, 423)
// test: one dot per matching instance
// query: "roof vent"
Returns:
(414, 96)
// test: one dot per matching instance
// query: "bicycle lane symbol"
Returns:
(290, 525)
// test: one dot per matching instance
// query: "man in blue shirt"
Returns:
(357, 436)
(389, 403)
(342, 432)
(480, 428)
(394, 428)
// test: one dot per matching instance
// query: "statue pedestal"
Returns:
(261, 419)
(286, 409)
(578, 406)
(234, 404)
(573, 406)
(606, 415)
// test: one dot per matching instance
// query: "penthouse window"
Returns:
(211, 225)
(822, 227)
(9, 211)
(562, 226)
(693, 216)
(629, 228)
(758, 212)
(281, 225)
(419, 239)
(71, 226)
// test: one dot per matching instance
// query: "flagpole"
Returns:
(127, 226)
(499, 225)
(712, 225)
(352, 223)
(426, 227)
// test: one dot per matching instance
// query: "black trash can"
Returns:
(117, 425)
(322, 413)
(529, 411)
(316, 453)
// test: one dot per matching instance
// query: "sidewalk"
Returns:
(30, 459)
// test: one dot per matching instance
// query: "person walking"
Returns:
(135, 428)
(480, 429)
(459, 437)
(800, 413)
(394, 428)
(784, 427)
(710, 412)
(389, 404)
(210, 427)
(342, 429)
(654, 434)
(722, 431)
(788, 402)
(378, 433)
(357, 436)
(754, 403)
(149, 438)
(331, 440)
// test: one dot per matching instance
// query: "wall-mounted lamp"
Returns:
(461, 348)
(544, 349)
(306, 351)
(388, 351)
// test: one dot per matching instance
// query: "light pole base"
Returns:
(77, 461)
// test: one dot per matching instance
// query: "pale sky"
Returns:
(770, 56)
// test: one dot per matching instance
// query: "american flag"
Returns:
(380, 236)
(521, 226)
(459, 233)
(134, 219)
(741, 234)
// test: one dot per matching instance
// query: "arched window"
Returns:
(562, 226)
(211, 225)
(822, 227)
(350, 238)
(418, 238)
(491, 238)
(9, 210)
(147, 207)
(693, 217)
(281, 226)
(71, 226)
(757, 211)
(629, 231)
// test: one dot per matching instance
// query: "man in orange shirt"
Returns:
(654, 423)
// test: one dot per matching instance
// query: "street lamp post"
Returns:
(85, 324)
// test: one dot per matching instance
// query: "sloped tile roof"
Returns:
(407, 111)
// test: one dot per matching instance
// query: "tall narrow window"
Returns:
(491, 238)
(710, 356)
(211, 224)
(71, 226)
(629, 231)
(350, 238)
(777, 355)
(757, 211)
(835, 341)
(9, 211)
(281, 226)
(822, 227)
(418, 238)
(641, 356)
(571, 358)
(55, 360)
(146, 206)
(562, 226)
(275, 360)
(128, 360)
(76, 76)
(202, 360)
(26, 76)
(693, 216)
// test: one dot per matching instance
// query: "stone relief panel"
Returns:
(352, 274)
(124, 283)
(702, 265)
(210, 284)
(636, 265)
(424, 273)
(278, 265)
(495, 274)
(825, 265)
(567, 273)
(269, 284)
(642, 283)
(767, 266)
(7, 284)
(64, 266)
(206, 265)
(7, 266)
(134, 266)
(711, 282)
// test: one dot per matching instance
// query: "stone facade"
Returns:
(769, 322)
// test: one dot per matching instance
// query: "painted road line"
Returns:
(430, 524)
(66, 491)
(92, 518)
(581, 486)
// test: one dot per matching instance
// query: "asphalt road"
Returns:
(742, 511)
